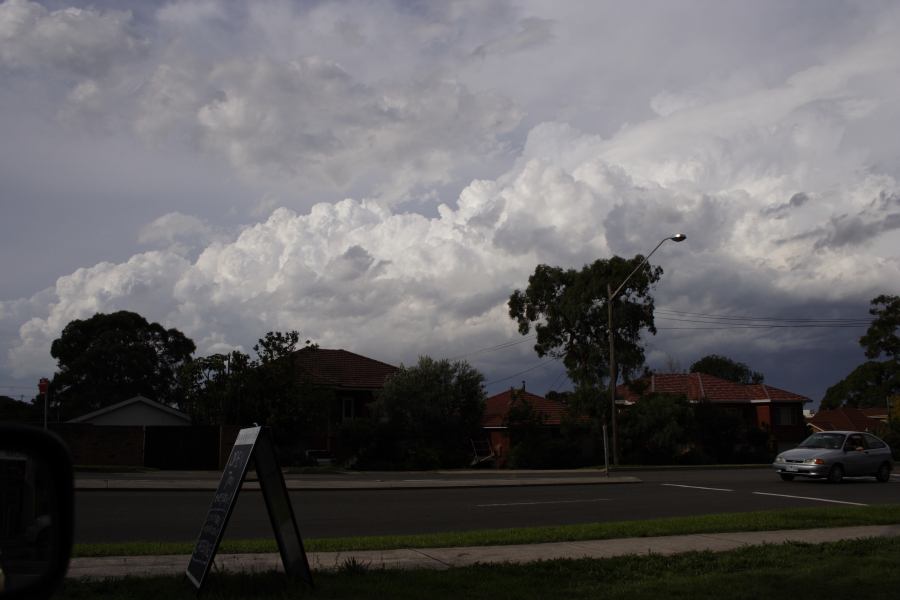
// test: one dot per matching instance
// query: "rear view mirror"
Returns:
(36, 512)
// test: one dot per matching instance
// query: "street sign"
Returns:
(255, 443)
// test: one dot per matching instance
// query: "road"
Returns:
(118, 516)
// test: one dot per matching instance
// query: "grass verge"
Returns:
(849, 569)
(800, 518)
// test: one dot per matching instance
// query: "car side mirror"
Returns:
(36, 512)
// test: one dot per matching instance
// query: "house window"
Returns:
(785, 415)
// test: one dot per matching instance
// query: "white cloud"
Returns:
(143, 284)
(267, 102)
(180, 233)
(79, 42)
(760, 133)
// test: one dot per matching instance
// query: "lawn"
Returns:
(801, 518)
(860, 568)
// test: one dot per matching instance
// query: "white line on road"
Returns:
(696, 487)
(544, 502)
(808, 498)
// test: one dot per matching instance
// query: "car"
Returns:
(833, 455)
(37, 503)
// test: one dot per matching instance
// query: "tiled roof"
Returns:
(342, 369)
(700, 386)
(843, 419)
(496, 408)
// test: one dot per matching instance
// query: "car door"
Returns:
(878, 452)
(855, 457)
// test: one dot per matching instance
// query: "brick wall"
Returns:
(121, 445)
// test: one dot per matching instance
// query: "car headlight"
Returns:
(814, 461)
(779, 459)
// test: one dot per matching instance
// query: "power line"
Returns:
(721, 322)
(558, 379)
(716, 317)
(502, 346)
(543, 363)
(720, 325)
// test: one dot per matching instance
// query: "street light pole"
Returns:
(680, 237)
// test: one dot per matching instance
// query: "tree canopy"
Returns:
(873, 382)
(882, 336)
(432, 410)
(726, 368)
(109, 358)
(867, 386)
(658, 429)
(237, 389)
(568, 311)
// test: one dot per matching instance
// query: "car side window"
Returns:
(855, 441)
(874, 442)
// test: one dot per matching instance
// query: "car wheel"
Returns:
(836, 474)
(786, 477)
(884, 473)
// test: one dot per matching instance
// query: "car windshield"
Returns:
(830, 441)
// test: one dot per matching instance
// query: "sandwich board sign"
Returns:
(251, 443)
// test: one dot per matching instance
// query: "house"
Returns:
(140, 432)
(137, 411)
(495, 420)
(761, 405)
(847, 418)
(354, 380)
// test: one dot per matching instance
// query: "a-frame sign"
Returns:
(255, 443)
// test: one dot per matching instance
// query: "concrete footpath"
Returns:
(445, 558)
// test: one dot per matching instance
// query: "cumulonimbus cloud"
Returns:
(782, 198)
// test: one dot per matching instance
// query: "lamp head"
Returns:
(678, 237)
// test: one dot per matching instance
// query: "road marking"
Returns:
(808, 498)
(696, 487)
(544, 502)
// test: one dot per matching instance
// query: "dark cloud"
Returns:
(855, 230)
(846, 229)
(779, 211)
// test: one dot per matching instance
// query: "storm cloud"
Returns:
(382, 178)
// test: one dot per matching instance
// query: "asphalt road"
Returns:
(118, 516)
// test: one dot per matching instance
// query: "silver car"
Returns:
(835, 455)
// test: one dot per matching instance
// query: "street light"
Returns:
(679, 237)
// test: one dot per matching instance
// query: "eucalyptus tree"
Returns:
(568, 311)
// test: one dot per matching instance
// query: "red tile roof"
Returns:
(496, 408)
(700, 386)
(342, 369)
(843, 419)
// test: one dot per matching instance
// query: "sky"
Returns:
(382, 175)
